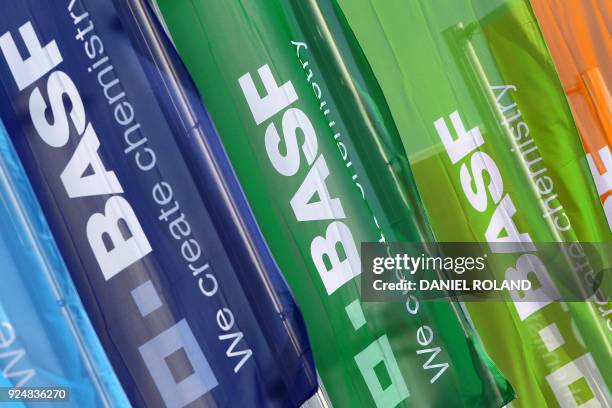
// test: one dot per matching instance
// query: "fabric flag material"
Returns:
(496, 158)
(46, 338)
(146, 210)
(315, 148)
(577, 33)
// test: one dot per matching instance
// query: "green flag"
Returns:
(497, 158)
(317, 153)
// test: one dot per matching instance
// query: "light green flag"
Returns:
(496, 157)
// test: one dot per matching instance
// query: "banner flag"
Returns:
(496, 158)
(46, 338)
(577, 33)
(179, 284)
(315, 148)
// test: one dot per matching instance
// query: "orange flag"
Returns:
(578, 35)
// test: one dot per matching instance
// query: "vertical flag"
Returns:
(46, 338)
(144, 205)
(577, 33)
(306, 127)
(496, 158)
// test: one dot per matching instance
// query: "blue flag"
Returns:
(146, 210)
(46, 339)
